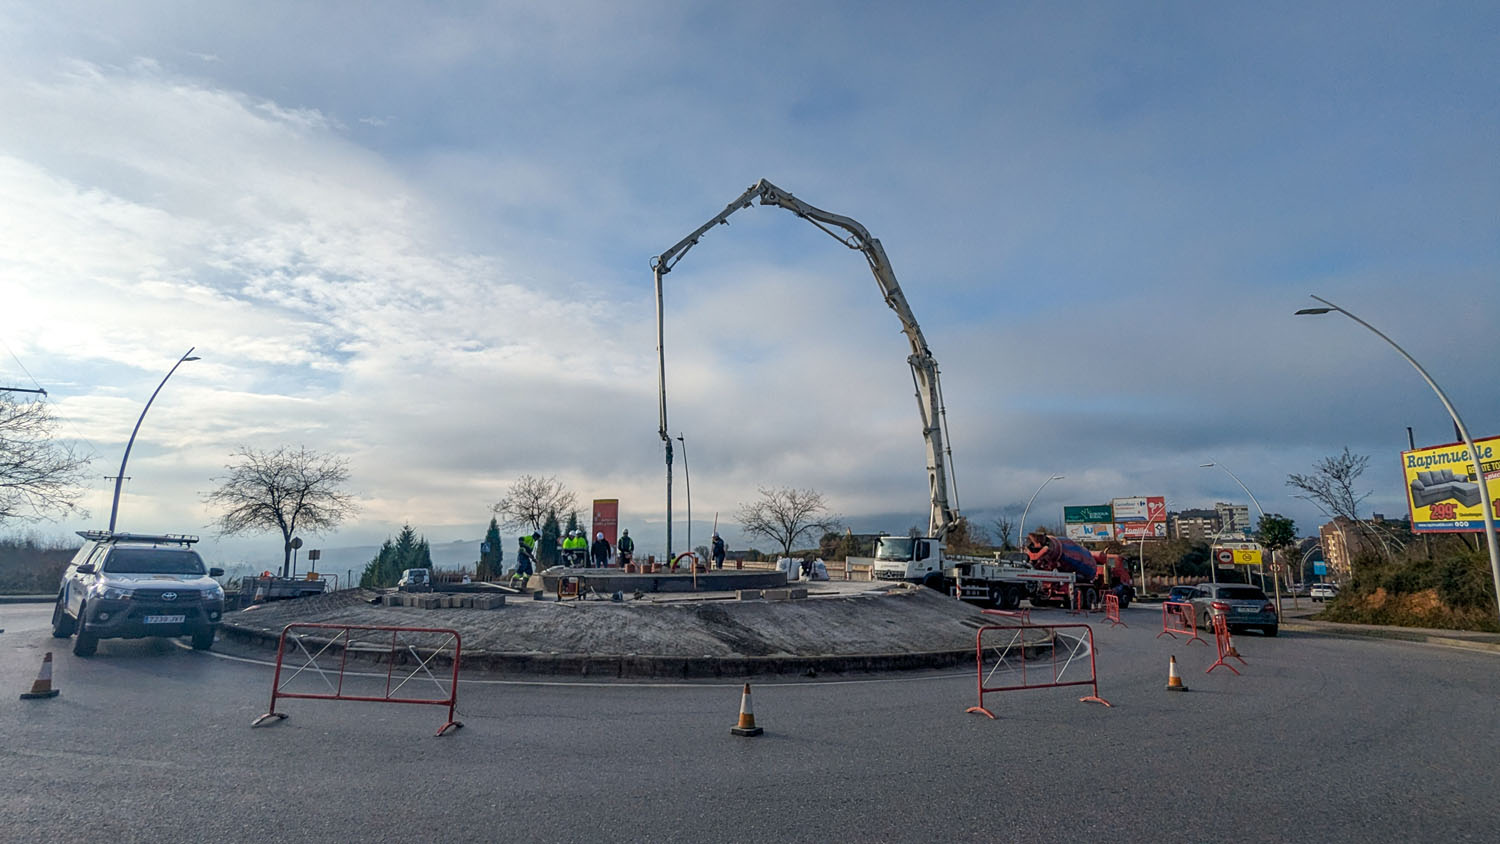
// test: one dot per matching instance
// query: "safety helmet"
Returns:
(626, 532)
(599, 535)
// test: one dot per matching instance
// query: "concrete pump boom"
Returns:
(924, 367)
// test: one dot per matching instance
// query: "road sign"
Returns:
(315, 555)
(1320, 568)
(1225, 557)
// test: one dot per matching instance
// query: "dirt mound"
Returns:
(884, 621)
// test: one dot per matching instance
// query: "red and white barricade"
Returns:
(1224, 643)
(323, 653)
(1179, 617)
(1006, 660)
(1112, 610)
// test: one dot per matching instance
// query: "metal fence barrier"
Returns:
(328, 661)
(1112, 611)
(1020, 671)
(1225, 644)
(1179, 617)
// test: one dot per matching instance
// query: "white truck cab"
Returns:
(914, 559)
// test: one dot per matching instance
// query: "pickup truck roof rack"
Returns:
(153, 538)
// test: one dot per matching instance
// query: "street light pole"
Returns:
(687, 479)
(114, 508)
(1486, 504)
(1275, 579)
(1022, 537)
(661, 370)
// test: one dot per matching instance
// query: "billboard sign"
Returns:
(1129, 531)
(1320, 568)
(1091, 531)
(606, 519)
(1149, 509)
(1088, 514)
(1443, 490)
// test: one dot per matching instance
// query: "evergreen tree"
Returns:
(407, 551)
(491, 562)
(547, 553)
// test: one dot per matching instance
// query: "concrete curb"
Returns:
(635, 666)
(27, 599)
(1414, 636)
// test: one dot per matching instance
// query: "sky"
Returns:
(419, 237)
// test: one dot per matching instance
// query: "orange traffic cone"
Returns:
(1174, 682)
(746, 727)
(43, 685)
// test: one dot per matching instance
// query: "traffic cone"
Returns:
(43, 685)
(746, 727)
(1174, 682)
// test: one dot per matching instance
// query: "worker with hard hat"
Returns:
(600, 551)
(626, 547)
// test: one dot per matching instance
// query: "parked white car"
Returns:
(1324, 592)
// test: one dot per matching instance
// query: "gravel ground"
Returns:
(842, 621)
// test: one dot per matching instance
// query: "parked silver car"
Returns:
(1242, 605)
(1324, 592)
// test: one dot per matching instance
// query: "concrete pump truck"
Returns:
(914, 559)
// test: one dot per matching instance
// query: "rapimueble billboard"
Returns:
(1444, 491)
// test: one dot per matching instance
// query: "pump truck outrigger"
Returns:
(913, 559)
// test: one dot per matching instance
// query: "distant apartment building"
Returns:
(1341, 540)
(1233, 518)
(1200, 525)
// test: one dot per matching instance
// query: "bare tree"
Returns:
(1005, 528)
(39, 476)
(284, 490)
(530, 499)
(783, 515)
(1331, 485)
(1332, 489)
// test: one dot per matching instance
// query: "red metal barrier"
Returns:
(1225, 644)
(1112, 611)
(1011, 656)
(1023, 614)
(1179, 617)
(336, 640)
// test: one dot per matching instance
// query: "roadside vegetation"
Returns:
(30, 565)
(1448, 587)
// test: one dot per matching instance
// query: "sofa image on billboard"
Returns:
(1441, 485)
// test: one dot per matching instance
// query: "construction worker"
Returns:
(525, 557)
(600, 551)
(626, 547)
(570, 548)
(718, 551)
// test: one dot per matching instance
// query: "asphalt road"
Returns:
(1321, 739)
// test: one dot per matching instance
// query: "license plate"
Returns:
(165, 619)
(1247, 609)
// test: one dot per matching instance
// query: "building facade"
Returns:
(1233, 518)
(1197, 525)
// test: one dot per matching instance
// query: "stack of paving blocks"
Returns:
(433, 601)
(791, 593)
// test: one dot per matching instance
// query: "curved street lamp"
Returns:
(1486, 504)
(1022, 537)
(114, 508)
(1274, 578)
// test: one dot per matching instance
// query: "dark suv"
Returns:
(130, 586)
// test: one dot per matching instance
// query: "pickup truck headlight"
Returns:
(113, 593)
(213, 593)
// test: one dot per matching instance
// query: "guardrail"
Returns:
(1011, 657)
(1180, 617)
(333, 643)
